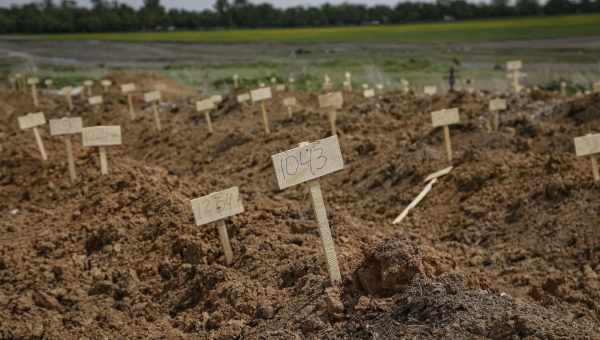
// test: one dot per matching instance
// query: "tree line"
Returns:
(66, 16)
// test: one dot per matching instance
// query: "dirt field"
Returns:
(504, 247)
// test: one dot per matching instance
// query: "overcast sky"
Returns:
(203, 4)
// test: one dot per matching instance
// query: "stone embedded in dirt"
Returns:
(191, 251)
(265, 311)
(390, 267)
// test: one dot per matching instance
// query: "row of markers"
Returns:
(303, 164)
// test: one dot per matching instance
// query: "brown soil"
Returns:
(504, 247)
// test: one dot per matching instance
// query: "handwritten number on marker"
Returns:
(311, 158)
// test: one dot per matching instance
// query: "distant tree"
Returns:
(151, 14)
(558, 7)
(528, 7)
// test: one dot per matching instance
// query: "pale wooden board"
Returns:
(587, 145)
(369, 93)
(291, 101)
(445, 117)
(33, 81)
(65, 126)
(415, 202)
(127, 88)
(596, 86)
(438, 174)
(216, 99)
(205, 105)
(333, 100)
(379, 87)
(88, 83)
(514, 65)
(244, 97)
(31, 120)
(430, 90)
(217, 206)
(280, 88)
(66, 90)
(106, 83)
(152, 96)
(497, 104)
(308, 162)
(101, 135)
(96, 100)
(48, 82)
(261, 94)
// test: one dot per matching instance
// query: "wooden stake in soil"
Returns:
(445, 118)
(596, 87)
(496, 105)
(95, 102)
(19, 79)
(32, 121)
(67, 91)
(307, 163)
(106, 84)
(34, 94)
(88, 86)
(66, 127)
(101, 137)
(348, 82)
(589, 145)
(236, 79)
(243, 98)
(370, 93)
(13, 84)
(215, 208)
(154, 97)
(261, 95)
(128, 90)
(563, 88)
(332, 102)
(292, 82)
(48, 83)
(206, 106)
(405, 87)
(514, 73)
(290, 102)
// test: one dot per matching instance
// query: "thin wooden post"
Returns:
(224, 237)
(332, 121)
(265, 117)
(448, 142)
(40, 143)
(103, 161)
(595, 171)
(34, 94)
(70, 159)
(156, 116)
(208, 121)
(131, 109)
(290, 112)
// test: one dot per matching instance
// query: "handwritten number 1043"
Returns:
(311, 157)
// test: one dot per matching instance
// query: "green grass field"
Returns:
(467, 31)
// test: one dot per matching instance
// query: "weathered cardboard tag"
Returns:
(379, 87)
(497, 104)
(106, 83)
(280, 88)
(290, 101)
(242, 98)
(65, 126)
(445, 117)
(65, 91)
(587, 145)
(31, 120)
(127, 88)
(95, 100)
(333, 100)
(48, 82)
(205, 105)
(153, 96)
(216, 99)
(217, 206)
(514, 65)
(33, 81)
(261, 94)
(369, 93)
(88, 83)
(430, 90)
(101, 136)
(308, 162)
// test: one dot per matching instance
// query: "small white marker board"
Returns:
(205, 105)
(308, 162)
(65, 127)
(95, 100)
(127, 88)
(88, 83)
(430, 90)
(153, 96)
(596, 87)
(101, 136)
(216, 99)
(216, 207)
(589, 146)
(290, 101)
(106, 83)
(48, 82)
(242, 98)
(280, 88)
(497, 104)
(261, 94)
(333, 100)
(369, 93)
(514, 65)
(33, 81)
(32, 121)
(445, 117)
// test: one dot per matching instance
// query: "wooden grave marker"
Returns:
(34, 94)
(243, 98)
(405, 85)
(290, 103)
(445, 118)
(66, 127)
(589, 145)
(13, 84)
(307, 163)
(261, 95)
(596, 87)
(496, 105)
(514, 74)
(154, 98)
(101, 137)
(369, 93)
(430, 90)
(206, 106)
(291, 82)
(563, 88)
(95, 102)
(280, 88)
(128, 90)
(348, 82)
(67, 91)
(18, 79)
(236, 80)
(88, 86)
(49, 83)
(106, 84)
(215, 208)
(216, 99)
(332, 102)
(32, 121)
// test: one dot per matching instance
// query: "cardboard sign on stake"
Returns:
(589, 145)
(206, 106)
(596, 87)
(95, 101)
(101, 137)
(215, 208)
(33, 83)
(260, 95)
(66, 127)
(32, 121)
(370, 93)
(128, 89)
(217, 99)
(514, 65)
(235, 81)
(320, 158)
(280, 88)
(290, 102)
(67, 92)
(106, 84)
(243, 98)
(154, 97)
(430, 90)
(333, 102)
(88, 85)
(445, 118)
(48, 83)
(495, 106)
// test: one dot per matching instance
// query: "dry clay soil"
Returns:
(504, 247)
